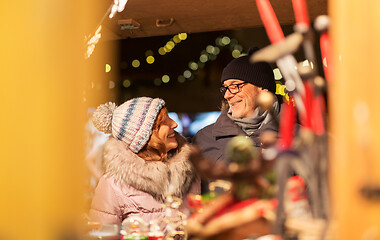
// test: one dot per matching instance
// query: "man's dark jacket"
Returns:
(212, 140)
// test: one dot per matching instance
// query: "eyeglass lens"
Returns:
(233, 88)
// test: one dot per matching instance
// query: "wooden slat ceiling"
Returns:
(192, 16)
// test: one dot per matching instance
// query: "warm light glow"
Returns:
(182, 36)
(210, 49)
(169, 47)
(187, 74)
(108, 67)
(148, 53)
(126, 83)
(161, 51)
(181, 79)
(111, 84)
(92, 42)
(176, 39)
(165, 78)
(98, 30)
(166, 49)
(170, 44)
(118, 6)
(203, 58)
(226, 40)
(193, 66)
(216, 51)
(277, 74)
(280, 89)
(135, 63)
(236, 53)
(150, 59)
(218, 41)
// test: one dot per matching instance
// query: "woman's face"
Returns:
(166, 132)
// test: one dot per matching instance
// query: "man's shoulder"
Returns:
(206, 131)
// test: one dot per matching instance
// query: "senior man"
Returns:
(242, 82)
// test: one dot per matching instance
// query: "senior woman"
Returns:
(145, 161)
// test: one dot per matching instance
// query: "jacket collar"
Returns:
(224, 126)
(153, 177)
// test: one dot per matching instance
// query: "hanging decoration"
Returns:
(91, 43)
(116, 6)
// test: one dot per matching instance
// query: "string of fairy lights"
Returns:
(210, 53)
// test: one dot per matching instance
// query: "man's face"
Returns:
(242, 103)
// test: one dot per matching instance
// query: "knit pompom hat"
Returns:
(131, 122)
(259, 74)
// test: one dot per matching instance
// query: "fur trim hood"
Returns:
(153, 177)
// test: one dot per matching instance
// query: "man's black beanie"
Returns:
(259, 74)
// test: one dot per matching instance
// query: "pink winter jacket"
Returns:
(135, 187)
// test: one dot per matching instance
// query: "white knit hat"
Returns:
(131, 122)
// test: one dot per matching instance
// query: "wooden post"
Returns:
(42, 116)
(355, 116)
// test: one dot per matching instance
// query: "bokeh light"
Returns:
(236, 53)
(126, 83)
(216, 51)
(108, 67)
(226, 40)
(161, 51)
(150, 59)
(203, 58)
(148, 53)
(182, 36)
(157, 81)
(210, 49)
(277, 74)
(193, 66)
(176, 39)
(135, 63)
(187, 74)
(218, 41)
(181, 79)
(165, 78)
(170, 44)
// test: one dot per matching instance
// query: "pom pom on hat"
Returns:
(259, 74)
(132, 121)
(102, 117)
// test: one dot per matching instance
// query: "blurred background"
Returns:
(184, 69)
(53, 76)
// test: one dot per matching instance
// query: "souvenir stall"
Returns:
(319, 180)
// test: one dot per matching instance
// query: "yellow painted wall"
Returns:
(355, 116)
(42, 77)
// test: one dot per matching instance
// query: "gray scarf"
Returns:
(258, 119)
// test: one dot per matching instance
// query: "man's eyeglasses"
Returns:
(233, 88)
